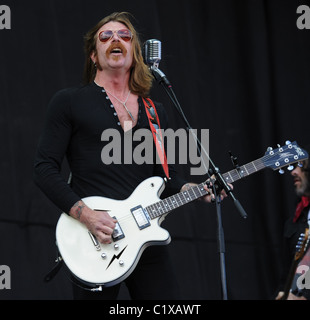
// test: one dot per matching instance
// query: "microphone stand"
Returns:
(219, 182)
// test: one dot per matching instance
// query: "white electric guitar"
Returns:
(138, 222)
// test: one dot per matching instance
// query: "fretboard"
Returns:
(165, 206)
(244, 171)
(168, 204)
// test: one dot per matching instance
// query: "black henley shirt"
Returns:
(75, 121)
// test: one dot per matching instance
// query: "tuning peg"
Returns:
(281, 171)
(290, 168)
(287, 142)
(269, 149)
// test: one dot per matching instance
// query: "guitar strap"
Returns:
(157, 133)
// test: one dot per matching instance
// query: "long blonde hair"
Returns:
(140, 81)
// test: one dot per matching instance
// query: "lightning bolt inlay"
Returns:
(116, 257)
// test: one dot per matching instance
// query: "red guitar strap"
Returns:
(157, 134)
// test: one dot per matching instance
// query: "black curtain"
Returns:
(238, 68)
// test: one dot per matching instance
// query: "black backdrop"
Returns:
(239, 68)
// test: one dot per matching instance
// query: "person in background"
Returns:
(295, 226)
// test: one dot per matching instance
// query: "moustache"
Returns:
(116, 47)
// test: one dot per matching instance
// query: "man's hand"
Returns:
(210, 197)
(99, 223)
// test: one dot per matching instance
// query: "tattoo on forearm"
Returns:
(79, 207)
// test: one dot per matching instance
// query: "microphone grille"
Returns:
(152, 51)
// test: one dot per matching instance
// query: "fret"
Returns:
(149, 211)
(195, 191)
(180, 200)
(228, 178)
(243, 171)
(172, 202)
(160, 208)
(186, 197)
(153, 211)
(201, 190)
(250, 168)
(166, 205)
(191, 194)
(245, 168)
(259, 164)
(235, 174)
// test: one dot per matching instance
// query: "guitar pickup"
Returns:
(140, 217)
(118, 232)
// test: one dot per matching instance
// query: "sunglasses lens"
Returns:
(104, 36)
(124, 34)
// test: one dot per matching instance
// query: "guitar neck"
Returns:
(165, 206)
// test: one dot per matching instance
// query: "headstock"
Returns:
(284, 156)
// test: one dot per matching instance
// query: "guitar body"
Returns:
(108, 264)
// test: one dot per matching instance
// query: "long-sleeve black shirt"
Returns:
(75, 121)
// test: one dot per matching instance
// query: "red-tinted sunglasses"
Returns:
(123, 34)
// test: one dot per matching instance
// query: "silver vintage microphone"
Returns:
(152, 58)
(153, 52)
